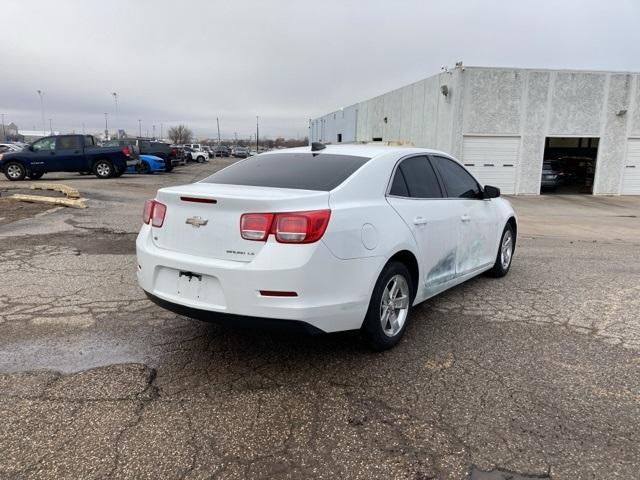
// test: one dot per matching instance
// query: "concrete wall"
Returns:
(532, 104)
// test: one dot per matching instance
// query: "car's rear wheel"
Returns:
(389, 308)
(15, 171)
(103, 169)
(505, 253)
(35, 175)
(145, 168)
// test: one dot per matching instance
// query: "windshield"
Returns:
(306, 171)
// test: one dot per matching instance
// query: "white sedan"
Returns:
(325, 238)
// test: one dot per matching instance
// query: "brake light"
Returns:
(256, 226)
(289, 227)
(154, 212)
(126, 150)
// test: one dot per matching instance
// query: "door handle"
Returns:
(420, 221)
(465, 218)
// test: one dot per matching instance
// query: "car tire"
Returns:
(168, 166)
(103, 169)
(506, 247)
(35, 175)
(145, 168)
(200, 159)
(389, 308)
(15, 171)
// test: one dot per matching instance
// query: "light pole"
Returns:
(50, 127)
(83, 128)
(139, 128)
(218, 123)
(161, 132)
(106, 126)
(154, 132)
(41, 95)
(4, 132)
(115, 99)
(257, 136)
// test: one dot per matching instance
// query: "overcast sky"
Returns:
(190, 61)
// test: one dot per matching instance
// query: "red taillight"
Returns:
(256, 226)
(289, 227)
(126, 150)
(174, 152)
(154, 212)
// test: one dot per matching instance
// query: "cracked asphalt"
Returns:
(536, 375)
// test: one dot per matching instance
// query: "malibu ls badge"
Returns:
(197, 222)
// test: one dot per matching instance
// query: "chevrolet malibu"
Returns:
(323, 238)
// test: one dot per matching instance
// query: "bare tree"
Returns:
(180, 134)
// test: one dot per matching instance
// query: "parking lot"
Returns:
(535, 375)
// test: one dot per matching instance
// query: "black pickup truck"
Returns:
(66, 153)
(149, 147)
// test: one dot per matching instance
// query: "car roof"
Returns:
(361, 150)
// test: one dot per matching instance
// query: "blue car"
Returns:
(148, 164)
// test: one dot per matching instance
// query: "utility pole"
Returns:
(257, 136)
(236, 135)
(41, 94)
(154, 132)
(115, 98)
(50, 127)
(139, 128)
(4, 132)
(218, 122)
(106, 126)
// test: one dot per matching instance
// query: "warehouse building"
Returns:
(525, 131)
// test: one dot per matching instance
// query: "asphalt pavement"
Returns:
(536, 375)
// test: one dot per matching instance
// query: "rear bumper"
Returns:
(236, 321)
(332, 294)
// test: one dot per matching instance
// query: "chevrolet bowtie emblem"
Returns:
(196, 222)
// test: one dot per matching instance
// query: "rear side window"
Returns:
(69, 143)
(305, 171)
(415, 178)
(457, 181)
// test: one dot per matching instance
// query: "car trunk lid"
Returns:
(203, 219)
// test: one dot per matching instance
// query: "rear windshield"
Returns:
(306, 171)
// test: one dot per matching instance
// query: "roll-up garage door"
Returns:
(492, 160)
(631, 173)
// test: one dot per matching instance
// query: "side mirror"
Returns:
(491, 192)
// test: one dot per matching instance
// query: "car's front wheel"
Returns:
(15, 171)
(103, 169)
(505, 253)
(389, 308)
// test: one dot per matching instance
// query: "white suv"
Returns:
(198, 153)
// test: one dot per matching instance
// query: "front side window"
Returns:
(457, 181)
(415, 178)
(44, 144)
(304, 171)
(89, 141)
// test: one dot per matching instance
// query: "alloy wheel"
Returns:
(394, 306)
(14, 171)
(506, 249)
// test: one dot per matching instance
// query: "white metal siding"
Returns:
(631, 172)
(492, 160)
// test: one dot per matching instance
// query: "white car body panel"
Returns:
(452, 239)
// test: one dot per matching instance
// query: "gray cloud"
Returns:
(286, 61)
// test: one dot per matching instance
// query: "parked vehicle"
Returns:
(240, 152)
(221, 151)
(10, 147)
(149, 147)
(194, 153)
(148, 164)
(67, 153)
(552, 176)
(325, 239)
